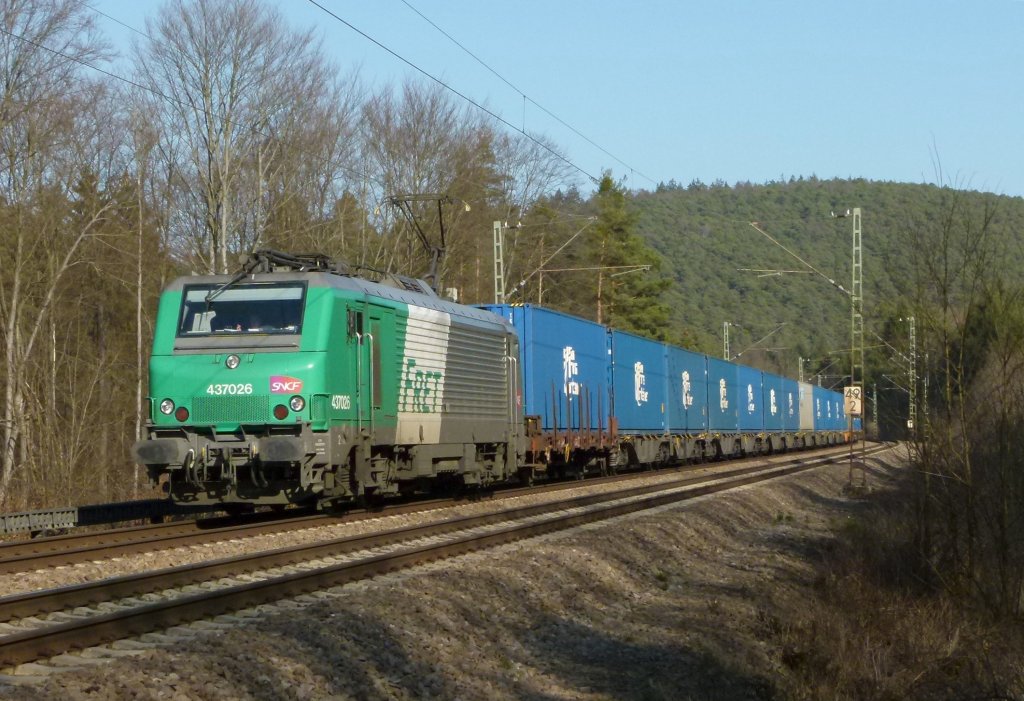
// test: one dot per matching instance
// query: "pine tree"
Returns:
(629, 285)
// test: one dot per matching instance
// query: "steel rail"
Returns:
(69, 542)
(87, 593)
(34, 644)
(75, 548)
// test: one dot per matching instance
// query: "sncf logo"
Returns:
(282, 384)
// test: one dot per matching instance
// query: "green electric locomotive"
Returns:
(297, 382)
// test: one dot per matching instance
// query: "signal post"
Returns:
(853, 397)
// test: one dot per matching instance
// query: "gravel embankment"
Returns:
(173, 557)
(668, 604)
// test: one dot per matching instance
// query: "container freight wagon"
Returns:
(565, 398)
(816, 423)
(687, 403)
(791, 408)
(823, 420)
(598, 398)
(729, 403)
(755, 432)
(820, 415)
(751, 411)
(772, 400)
(829, 419)
(781, 411)
(723, 397)
(840, 410)
(807, 411)
(688, 391)
(639, 397)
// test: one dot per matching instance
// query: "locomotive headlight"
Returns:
(232, 361)
(166, 407)
(297, 403)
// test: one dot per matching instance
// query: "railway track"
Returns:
(79, 548)
(71, 549)
(51, 622)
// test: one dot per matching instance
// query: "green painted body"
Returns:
(326, 361)
(373, 390)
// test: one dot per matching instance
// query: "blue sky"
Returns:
(735, 90)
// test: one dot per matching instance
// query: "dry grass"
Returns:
(878, 628)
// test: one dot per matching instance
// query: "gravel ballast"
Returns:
(666, 604)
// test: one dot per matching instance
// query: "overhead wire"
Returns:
(350, 170)
(527, 98)
(360, 174)
(354, 172)
(756, 227)
(117, 21)
(456, 92)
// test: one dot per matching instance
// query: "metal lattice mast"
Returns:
(857, 370)
(725, 341)
(499, 263)
(912, 378)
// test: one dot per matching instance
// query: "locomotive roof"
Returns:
(353, 284)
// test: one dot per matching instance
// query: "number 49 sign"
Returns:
(854, 400)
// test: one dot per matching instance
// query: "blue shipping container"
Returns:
(790, 405)
(751, 399)
(723, 396)
(828, 410)
(638, 383)
(840, 411)
(774, 403)
(822, 409)
(687, 390)
(565, 367)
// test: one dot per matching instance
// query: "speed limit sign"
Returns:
(854, 400)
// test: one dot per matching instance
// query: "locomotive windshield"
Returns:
(266, 308)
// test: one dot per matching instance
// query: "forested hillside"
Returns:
(710, 252)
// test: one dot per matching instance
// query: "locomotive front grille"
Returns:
(244, 409)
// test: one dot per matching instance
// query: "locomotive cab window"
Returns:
(244, 309)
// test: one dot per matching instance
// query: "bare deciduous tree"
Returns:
(419, 142)
(531, 168)
(305, 201)
(48, 113)
(961, 452)
(228, 83)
